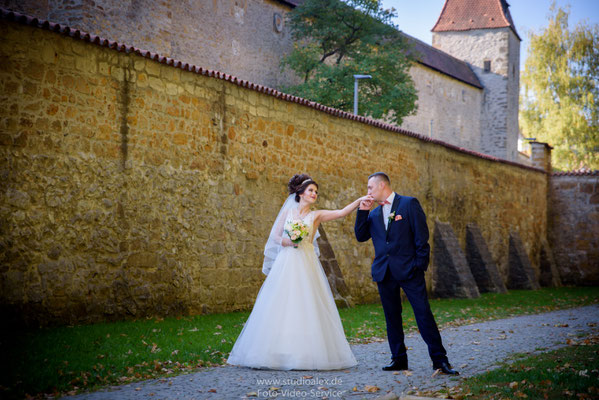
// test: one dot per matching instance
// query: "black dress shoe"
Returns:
(396, 365)
(446, 368)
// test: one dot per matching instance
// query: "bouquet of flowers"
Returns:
(297, 230)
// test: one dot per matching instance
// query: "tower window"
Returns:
(487, 65)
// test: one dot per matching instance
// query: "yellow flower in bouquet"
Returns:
(297, 230)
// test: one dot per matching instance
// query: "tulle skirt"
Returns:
(294, 323)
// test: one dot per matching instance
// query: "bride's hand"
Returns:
(286, 242)
(366, 202)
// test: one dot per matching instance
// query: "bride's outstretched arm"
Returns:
(329, 215)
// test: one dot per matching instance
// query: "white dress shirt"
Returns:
(387, 209)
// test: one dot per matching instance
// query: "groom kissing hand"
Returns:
(399, 234)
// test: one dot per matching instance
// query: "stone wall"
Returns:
(132, 187)
(574, 226)
(237, 37)
(448, 109)
(499, 118)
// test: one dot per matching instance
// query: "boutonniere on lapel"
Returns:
(393, 217)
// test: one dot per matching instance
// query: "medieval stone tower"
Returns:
(482, 33)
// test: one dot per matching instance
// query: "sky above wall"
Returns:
(417, 17)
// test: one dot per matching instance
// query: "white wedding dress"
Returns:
(295, 323)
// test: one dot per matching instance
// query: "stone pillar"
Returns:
(549, 276)
(333, 272)
(521, 275)
(540, 155)
(484, 270)
(451, 274)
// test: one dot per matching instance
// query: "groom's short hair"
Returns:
(381, 176)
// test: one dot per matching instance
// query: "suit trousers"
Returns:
(415, 290)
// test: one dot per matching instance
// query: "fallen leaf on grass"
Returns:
(155, 348)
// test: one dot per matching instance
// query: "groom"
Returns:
(400, 236)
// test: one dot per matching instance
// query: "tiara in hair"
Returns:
(307, 180)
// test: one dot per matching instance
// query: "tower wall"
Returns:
(499, 111)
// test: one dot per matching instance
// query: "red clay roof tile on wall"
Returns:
(96, 40)
(464, 15)
(582, 172)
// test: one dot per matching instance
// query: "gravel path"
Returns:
(472, 349)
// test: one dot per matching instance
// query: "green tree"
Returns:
(560, 99)
(336, 39)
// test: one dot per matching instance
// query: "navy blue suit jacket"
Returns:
(403, 247)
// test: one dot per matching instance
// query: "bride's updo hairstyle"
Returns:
(299, 183)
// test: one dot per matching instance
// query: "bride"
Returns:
(295, 323)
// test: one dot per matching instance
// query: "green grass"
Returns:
(63, 359)
(568, 373)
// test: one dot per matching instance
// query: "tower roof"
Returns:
(465, 15)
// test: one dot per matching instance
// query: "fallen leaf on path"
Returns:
(371, 389)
